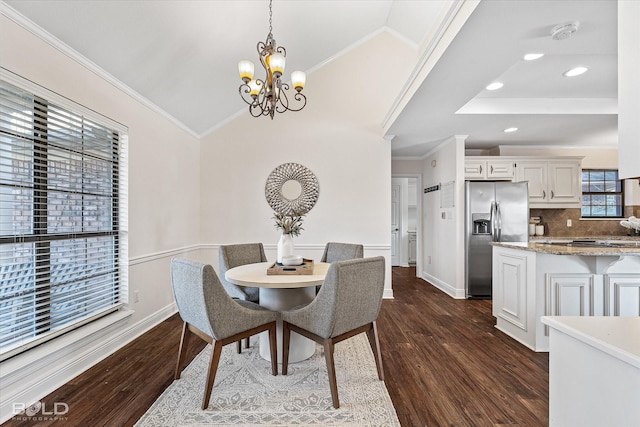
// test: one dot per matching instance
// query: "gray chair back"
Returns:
(204, 303)
(230, 256)
(350, 297)
(334, 251)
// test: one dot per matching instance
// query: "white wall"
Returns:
(337, 136)
(629, 88)
(442, 255)
(164, 208)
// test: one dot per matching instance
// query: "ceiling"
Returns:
(547, 108)
(181, 56)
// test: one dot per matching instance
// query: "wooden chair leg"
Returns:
(286, 337)
(184, 342)
(211, 374)
(374, 342)
(246, 342)
(273, 347)
(239, 346)
(331, 370)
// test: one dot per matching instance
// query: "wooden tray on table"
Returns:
(305, 268)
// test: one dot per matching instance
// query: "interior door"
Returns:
(395, 223)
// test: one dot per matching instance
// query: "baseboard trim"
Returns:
(29, 377)
(443, 286)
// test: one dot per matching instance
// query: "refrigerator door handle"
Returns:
(493, 221)
(498, 222)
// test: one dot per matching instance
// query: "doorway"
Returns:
(406, 208)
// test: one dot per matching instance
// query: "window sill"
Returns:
(71, 342)
(602, 219)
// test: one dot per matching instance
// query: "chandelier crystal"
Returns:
(269, 96)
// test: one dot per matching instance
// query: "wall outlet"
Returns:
(569, 223)
(136, 296)
(444, 215)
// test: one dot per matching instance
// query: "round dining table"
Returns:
(281, 292)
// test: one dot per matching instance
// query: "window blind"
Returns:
(60, 219)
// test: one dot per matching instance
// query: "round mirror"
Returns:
(292, 189)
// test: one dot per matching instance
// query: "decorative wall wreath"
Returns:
(300, 185)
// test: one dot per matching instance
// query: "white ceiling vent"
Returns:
(564, 31)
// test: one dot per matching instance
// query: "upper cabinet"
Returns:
(553, 183)
(492, 168)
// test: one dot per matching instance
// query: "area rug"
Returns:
(246, 394)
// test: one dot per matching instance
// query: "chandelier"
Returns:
(268, 96)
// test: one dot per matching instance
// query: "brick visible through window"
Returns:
(602, 194)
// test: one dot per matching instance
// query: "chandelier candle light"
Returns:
(268, 96)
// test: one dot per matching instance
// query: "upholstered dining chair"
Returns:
(348, 304)
(230, 256)
(335, 251)
(211, 314)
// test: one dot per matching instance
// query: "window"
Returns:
(602, 194)
(60, 228)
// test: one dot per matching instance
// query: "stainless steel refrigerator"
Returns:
(495, 212)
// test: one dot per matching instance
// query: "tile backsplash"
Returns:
(555, 223)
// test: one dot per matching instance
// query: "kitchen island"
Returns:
(594, 371)
(561, 278)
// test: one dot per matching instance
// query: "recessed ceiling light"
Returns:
(575, 71)
(533, 56)
(494, 86)
(508, 130)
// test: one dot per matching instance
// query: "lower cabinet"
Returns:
(569, 294)
(513, 295)
(622, 294)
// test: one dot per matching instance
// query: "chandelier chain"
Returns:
(270, 17)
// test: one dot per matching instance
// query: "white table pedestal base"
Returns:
(300, 348)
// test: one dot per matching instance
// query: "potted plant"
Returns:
(290, 226)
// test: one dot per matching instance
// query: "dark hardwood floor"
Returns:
(445, 365)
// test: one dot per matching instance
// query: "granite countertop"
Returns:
(547, 248)
(570, 238)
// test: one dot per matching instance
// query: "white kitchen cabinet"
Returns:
(513, 270)
(569, 294)
(622, 293)
(491, 168)
(553, 182)
(565, 182)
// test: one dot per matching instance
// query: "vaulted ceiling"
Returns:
(181, 56)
